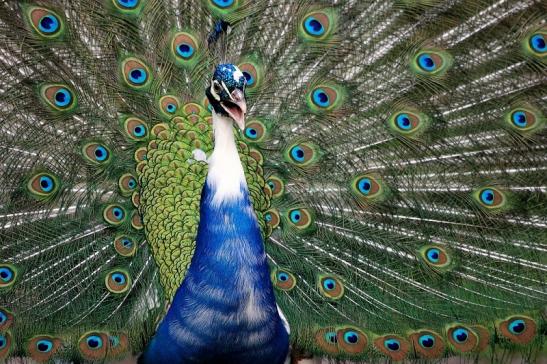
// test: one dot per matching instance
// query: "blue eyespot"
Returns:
(460, 335)
(118, 213)
(537, 42)
(44, 346)
(392, 344)
(487, 196)
(283, 277)
(3, 317)
(519, 119)
(517, 327)
(46, 183)
(119, 278)
(128, 4)
(3, 341)
(132, 183)
(94, 342)
(268, 217)
(101, 153)
(223, 3)
(426, 341)
(403, 122)
(295, 216)
(321, 98)
(297, 153)
(364, 185)
(127, 243)
(139, 131)
(185, 50)
(6, 274)
(114, 341)
(329, 284)
(249, 78)
(63, 97)
(433, 255)
(171, 108)
(271, 184)
(314, 26)
(251, 133)
(48, 24)
(330, 337)
(351, 337)
(426, 62)
(138, 76)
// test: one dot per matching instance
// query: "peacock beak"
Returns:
(236, 107)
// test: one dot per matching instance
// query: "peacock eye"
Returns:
(251, 133)
(48, 24)
(519, 119)
(297, 153)
(433, 255)
(223, 3)
(426, 62)
(6, 274)
(63, 97)
(426, 341)
(128, 4)
(185, 50)
(351, 337)
(94, 342)
(487, 196)
(517, 327)
(138, 76)
(330, 337)
(403, 121)
(58, 96)
(392, 344)
(3, 341)
(135, 73)
(100, 153)
(268, 217)
(295, 216)
(460, 335)
(3, 317)
(320, 98)
(313, 26)
(329, 284)
(537, 42)
(249, 79)
(44, 346)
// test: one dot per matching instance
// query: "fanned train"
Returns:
(238, 181)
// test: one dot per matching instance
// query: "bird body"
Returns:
(224, 310)
(207, 181)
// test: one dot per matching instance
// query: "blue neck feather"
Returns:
(225, 310)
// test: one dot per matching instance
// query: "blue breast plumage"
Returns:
(225, 310)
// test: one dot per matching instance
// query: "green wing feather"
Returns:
(394, 152)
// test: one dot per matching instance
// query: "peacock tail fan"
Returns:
(395, 154)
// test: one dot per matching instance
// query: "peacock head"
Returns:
(226, 93)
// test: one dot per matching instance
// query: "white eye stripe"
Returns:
(227, 91)
(213, 92)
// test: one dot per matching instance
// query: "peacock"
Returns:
(237, 181)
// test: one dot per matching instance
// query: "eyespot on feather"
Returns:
(255, 131)
(136, 220)
(534, 44)
(519, 329)
(118, 344)
(427, 344)
(8, 275)
(325, 98)
(300, 218)
(430, 62)
(283, 279)
(524, 119)
(490, 198)
(125, 245)
(6, 319)
(272, 218)
(114, 214)
(408, 123)
(462, 338)
(96, 153)
(59, 97)
(169, 106)
(368, 188)
(135, 129)
(330, 286)
(327, 340)
(184, 49)
(351, 340)
(393, 346)
(277, 186)
(302, 154)
(136, 74)
(118, 281)
(43, 347)
(318, 25)
(43, 185)
(46, 23)
(5, 344)
(93, 345)
(435, 256)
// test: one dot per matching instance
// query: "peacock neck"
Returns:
(226, 300)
